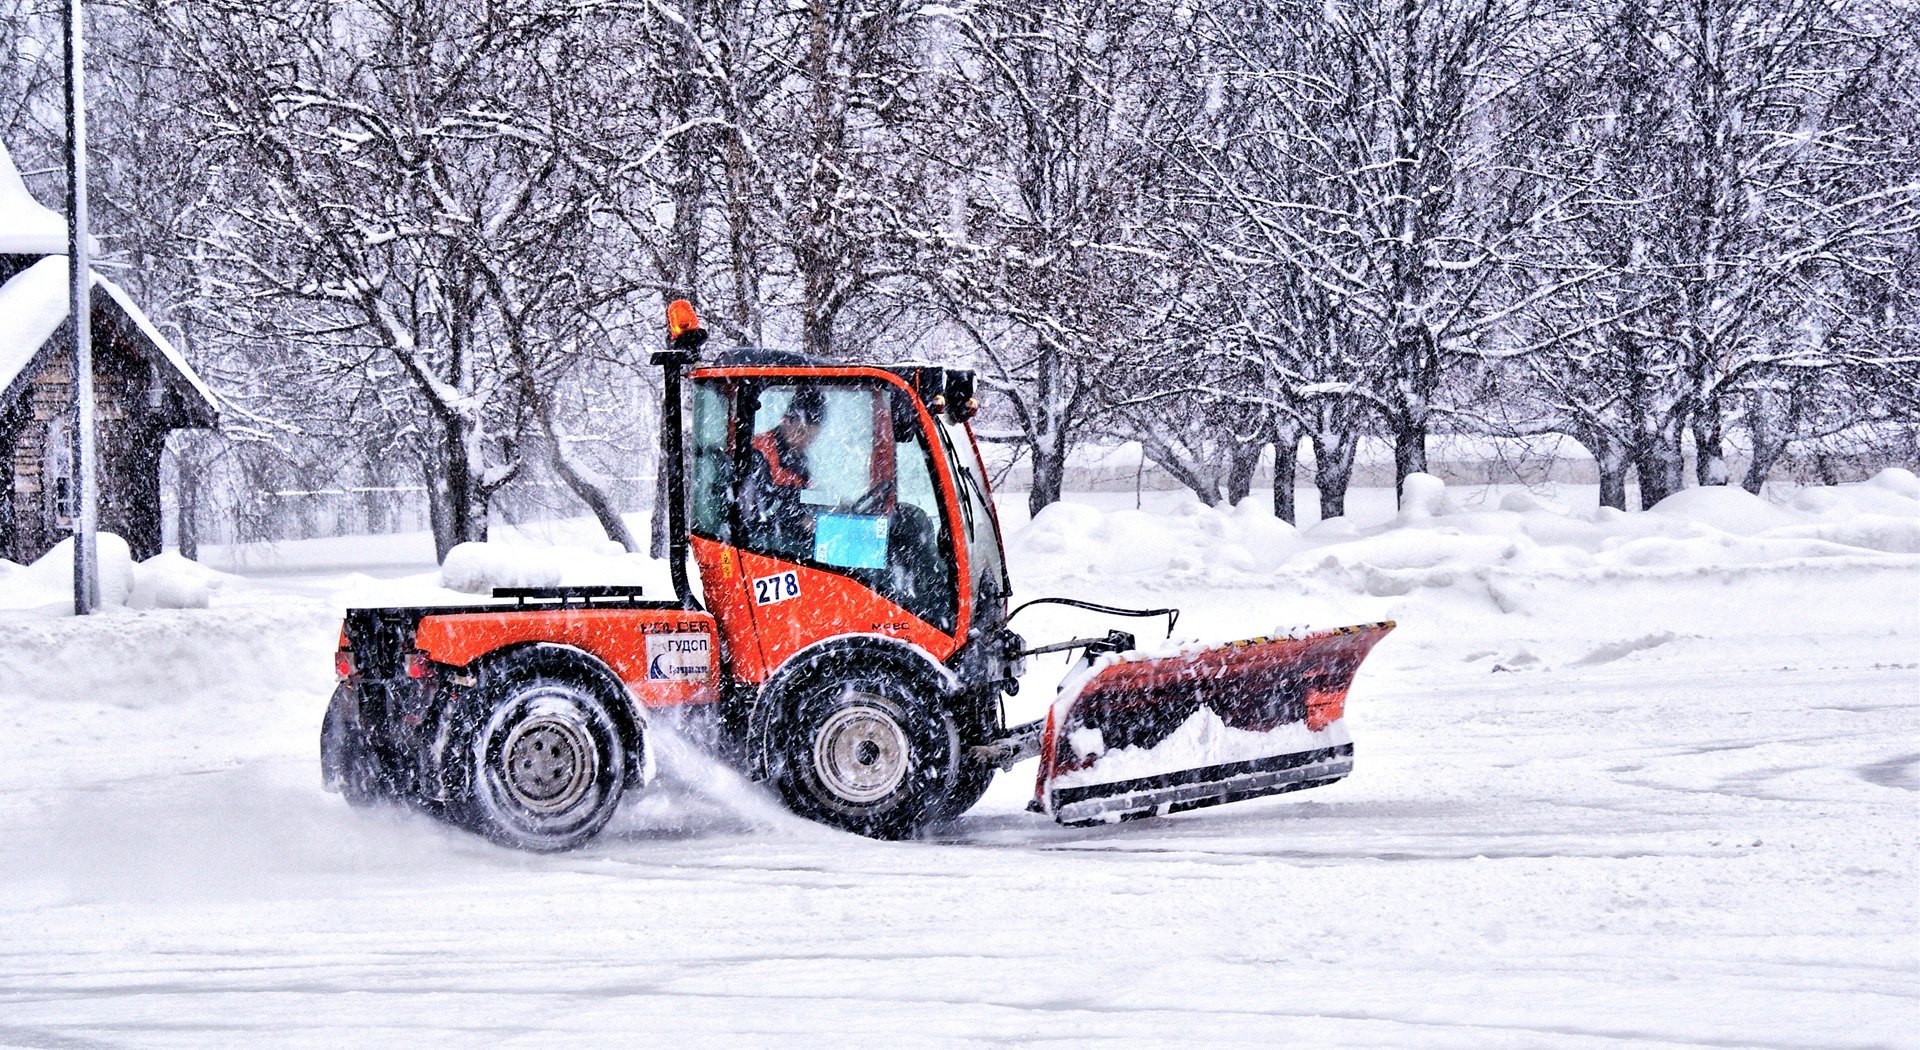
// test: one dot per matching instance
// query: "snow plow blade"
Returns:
(1149, 735)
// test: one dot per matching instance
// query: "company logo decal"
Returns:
(679, 657)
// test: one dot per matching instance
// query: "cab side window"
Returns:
(712, 493)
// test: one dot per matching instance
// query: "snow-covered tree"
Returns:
(1746, 181)
(432, 202)
(1043, 255)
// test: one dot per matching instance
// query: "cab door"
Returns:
(841, 530)
(711, 525)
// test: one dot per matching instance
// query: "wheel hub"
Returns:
(550, 763)
(860, 754)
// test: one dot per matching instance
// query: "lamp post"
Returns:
(86, 562)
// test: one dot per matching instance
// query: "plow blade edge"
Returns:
(1147, 735)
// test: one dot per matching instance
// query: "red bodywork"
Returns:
(651, 650)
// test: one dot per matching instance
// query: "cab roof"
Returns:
(761, 357)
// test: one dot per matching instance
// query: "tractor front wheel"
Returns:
(866, 755)
(969, 786)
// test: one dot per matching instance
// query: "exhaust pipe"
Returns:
(684, 338)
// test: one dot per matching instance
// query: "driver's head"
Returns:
(801, 421)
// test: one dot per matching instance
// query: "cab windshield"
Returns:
(978, 522)
(835, 474)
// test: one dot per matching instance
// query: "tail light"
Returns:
(343, 668)
(419, 665)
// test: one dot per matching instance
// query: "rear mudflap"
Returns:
(1136, 735)
(404, 728)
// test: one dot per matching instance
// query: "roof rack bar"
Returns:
(565, 595)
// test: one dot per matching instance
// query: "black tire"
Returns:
(866, 754)
(546, 767)
(969, 785)
(347, 764)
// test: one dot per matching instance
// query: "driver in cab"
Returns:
(777, 474)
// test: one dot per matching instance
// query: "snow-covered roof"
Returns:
(167, 350)
(27, 227)
(34, 303)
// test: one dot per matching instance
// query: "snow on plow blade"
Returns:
(1145, 735)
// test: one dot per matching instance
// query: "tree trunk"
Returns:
(1333, 469)
(1245, 463)
(188, 476)
(820, 264)
(1757, 471)
(816, 325)
(1409, 452)
(1049, 473)
(438, 519)
(1824, 469)
(1416, 365)
(1709, 434)
(595, 497)
(1048, 427)
(1201, 478)
(1611, 460)
(1772, 417)
(1660, 465)
(586, 488)
(690, 167)
(463, 515)
(1286, 468)
(741, 258)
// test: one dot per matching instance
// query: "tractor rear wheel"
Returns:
(347, 764)
(864, 754)
(546, 764)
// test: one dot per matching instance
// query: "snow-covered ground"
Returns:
(1643, 779)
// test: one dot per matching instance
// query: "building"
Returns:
(143, 390)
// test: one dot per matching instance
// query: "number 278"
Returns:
(776, 588)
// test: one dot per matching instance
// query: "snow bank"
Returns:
(1700, 528)
(46, 586)
(167, 581)
(151, 659)
(1532, 586)
(1072, 537)
(477, 568)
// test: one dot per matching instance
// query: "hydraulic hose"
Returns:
(1172, 615)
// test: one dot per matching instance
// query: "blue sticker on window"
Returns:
(851, 541)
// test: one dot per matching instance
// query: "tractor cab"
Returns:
(829, 500)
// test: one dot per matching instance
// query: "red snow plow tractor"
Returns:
(848, 644)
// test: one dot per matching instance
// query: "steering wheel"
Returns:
(873, 500)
